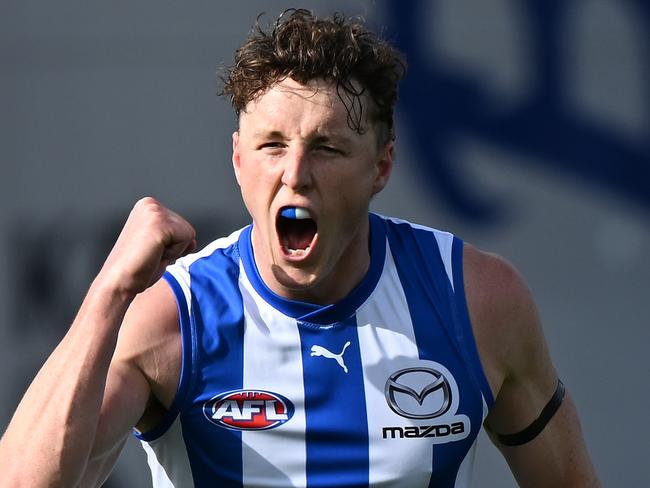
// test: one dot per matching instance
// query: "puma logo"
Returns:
(321, 351)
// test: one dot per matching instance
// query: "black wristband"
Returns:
(534, 429)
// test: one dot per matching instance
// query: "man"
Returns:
(320, 346)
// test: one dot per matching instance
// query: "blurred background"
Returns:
(523, 127)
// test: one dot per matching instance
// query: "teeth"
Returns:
(298, 252)
(297, 213)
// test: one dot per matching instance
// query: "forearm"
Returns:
(52, 432)
(557, 457)
(54, 429)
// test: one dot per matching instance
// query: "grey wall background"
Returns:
(102, 103)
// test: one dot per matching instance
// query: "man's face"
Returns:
(307, 180)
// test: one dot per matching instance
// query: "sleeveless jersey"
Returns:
(384, 388)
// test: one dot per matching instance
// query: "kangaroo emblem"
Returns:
(321, 351)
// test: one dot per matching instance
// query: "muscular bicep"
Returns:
(521, 373)
(126, 396)
(142, 377)
(528, 377)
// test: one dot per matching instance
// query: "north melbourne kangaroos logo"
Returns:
(248, 410)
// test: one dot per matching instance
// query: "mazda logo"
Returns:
(418, 393)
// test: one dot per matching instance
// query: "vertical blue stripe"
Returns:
(218, 320)
(335, 408)
(431, 305)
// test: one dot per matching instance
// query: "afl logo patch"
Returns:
(248, 410)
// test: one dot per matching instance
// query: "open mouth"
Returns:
(297, 230)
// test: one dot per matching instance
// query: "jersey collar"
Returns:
(310, 313)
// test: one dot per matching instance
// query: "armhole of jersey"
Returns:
(464, 325)
(187, 356)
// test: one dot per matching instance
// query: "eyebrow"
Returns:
(314, 139)
(274, 134)
(336, 139)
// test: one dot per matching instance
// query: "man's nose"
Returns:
(297, 170)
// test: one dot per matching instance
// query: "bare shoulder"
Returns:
(504, 317)
(493, 284)
(150, 341)
(519, 368)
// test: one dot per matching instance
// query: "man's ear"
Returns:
(384, 167)
(235, 154)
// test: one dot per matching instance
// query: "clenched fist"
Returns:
(152, 237)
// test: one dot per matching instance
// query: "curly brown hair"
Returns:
(304, 47)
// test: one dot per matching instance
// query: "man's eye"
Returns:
(329, 149)
(271, 145)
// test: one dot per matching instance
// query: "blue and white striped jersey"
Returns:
(383, 388)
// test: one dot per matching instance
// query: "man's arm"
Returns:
(54, 429)
(147, 359)
(520, 371)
